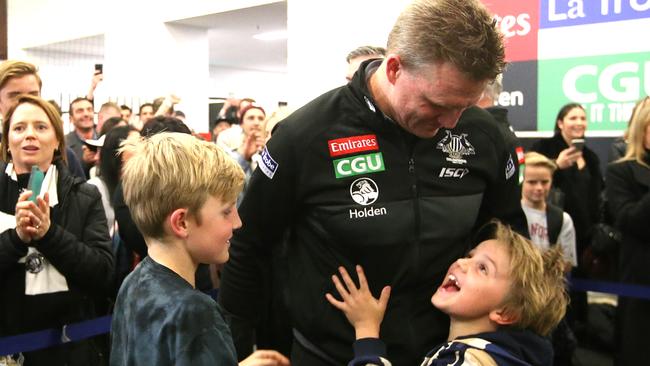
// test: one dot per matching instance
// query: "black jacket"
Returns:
(405, 220)
(628, 195)
(584, 207)
(79, 247)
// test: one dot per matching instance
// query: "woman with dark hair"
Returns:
(578, 176)
(57, 256)
(628, 195)
(111, 123)
(110, 168)
(578, 182)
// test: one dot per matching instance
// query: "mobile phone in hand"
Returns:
(35, 182)
(578, 144)
(99, 68)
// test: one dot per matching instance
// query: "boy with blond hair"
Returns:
(502, 299)
(548, 225)
(181, 193)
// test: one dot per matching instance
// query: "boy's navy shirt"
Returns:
(160, 319)
(508, 347)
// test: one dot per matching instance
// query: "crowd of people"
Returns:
(394, 220)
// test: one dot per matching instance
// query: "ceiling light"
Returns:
(272, 36)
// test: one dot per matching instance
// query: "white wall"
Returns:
(267, 88)
(323, 32)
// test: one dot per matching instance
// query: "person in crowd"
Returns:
(548, 225)
(164, 106)
(110, 169)
(19, 77)
(488, 102)
(57, 257)
(502, 299)
(180, 115)
(579, 184)
(111, 123)
(16, 78)
(82, 117)
(360, 54)
(106, 111)
(126, 112)
(578, 176)
(187, 214)
(233, 137)
(619, 146)
(107, 180)
(252, 141)
(145, 113)
(379, 172)
(276, 117)
(628, 196)
(232, 108)
(220, 125)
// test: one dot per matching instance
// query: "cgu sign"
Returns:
(619, 82)
(360, 164)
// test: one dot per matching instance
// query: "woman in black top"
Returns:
(628, 196)
(578, 176)
(56, 257)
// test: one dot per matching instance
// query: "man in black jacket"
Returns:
(379, 173)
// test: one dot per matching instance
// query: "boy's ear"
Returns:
(177, 221)
(503, 317)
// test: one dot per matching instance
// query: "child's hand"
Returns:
(265, 358)
(363, 311)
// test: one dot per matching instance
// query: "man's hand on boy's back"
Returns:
(363, 311)
(265, 358)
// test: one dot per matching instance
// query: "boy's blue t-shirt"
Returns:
(160, 319)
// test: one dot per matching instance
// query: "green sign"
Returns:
(607, 86)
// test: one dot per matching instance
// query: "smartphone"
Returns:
(99, 68)
(579, 144)
(35, 182)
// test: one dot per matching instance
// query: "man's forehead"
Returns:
(80, 104)
(22, 84)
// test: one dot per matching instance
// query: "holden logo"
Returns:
(364, 191)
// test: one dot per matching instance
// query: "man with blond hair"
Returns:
(20, 77)
(379, 172)
(17, 77)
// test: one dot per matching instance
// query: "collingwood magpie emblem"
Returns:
(456, 146)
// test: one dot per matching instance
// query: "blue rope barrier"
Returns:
(90, 328)
(614, 288)
(54, 337)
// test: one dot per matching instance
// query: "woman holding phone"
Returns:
(578, 182)
(578, 175)
(55, 256)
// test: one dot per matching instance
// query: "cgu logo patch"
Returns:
(360, 164)
(456, 146)
(352, 144)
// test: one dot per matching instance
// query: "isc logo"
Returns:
(453, 172)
